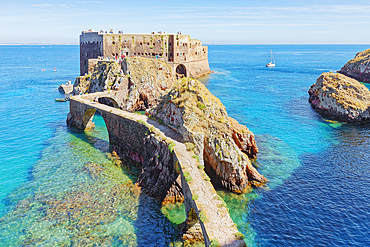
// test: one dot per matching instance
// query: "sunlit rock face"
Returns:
(138, 83)
(358, 67)
(221, 143)
(340, 97)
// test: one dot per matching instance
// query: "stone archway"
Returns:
(87, 122)
(181, 71)
(108, 101)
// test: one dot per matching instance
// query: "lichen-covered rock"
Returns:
(358, 67)
(104, 74)
(340, 97)
(138, 82)
(202, 119)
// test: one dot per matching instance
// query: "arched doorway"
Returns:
(180, 71)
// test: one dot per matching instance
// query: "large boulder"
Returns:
(221, 143)
(358, 67)
(139, 82)
(340, 97)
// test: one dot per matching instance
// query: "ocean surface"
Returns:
(61, 187)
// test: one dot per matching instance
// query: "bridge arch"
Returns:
(108, 101)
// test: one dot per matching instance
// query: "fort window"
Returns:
(160, 54)
(146, 54)
(125, 41)
(153, 43)
(141, 43)
(147, 43)
(134, 53)
(124, 46)
(113, 43)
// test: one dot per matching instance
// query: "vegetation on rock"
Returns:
(202, 119)
(341, 97)
(358, 67)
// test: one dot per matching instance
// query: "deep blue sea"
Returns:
(59, 187)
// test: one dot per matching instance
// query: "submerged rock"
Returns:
(358, 67)
(340, 97)
(220, 141)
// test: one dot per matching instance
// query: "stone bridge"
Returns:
(165, 157)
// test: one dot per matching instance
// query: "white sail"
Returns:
(272, 63)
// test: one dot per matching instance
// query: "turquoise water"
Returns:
(59, 187)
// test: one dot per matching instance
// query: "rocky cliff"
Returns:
(358, 67)
(138, 82)
(222, 145)
(341, 97)
(220, 142)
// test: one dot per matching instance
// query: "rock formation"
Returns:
(343, 98)
(138, 82)
(66, 88)
(358, 67)
(221, 143)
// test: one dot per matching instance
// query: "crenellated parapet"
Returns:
(187, 57)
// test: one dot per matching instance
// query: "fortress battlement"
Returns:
(188, 57)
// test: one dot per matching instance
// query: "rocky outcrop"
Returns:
(138, 82)
(340, 97)
(221, 143)
(66, 88)
(358, 67)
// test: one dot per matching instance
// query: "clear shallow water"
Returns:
(57, 186)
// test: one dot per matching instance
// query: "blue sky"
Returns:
(213, 22)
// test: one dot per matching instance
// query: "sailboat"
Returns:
(272, 63)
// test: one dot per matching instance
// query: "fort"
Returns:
(187, 57)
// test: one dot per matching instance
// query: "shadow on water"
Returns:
(80, 195)
(150, 226)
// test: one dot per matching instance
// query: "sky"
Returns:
(213, 22)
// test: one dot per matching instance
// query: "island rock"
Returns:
(358, 67)
(340, 97)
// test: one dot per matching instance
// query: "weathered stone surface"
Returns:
(340, 97)
(66, 88)
(137, 83)
(149, 79)
(358, 67)
(201, 118)
(244, 138)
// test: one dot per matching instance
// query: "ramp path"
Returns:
(217, 226)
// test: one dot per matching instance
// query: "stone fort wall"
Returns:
(188, 57)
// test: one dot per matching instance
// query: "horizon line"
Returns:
(74, 43)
